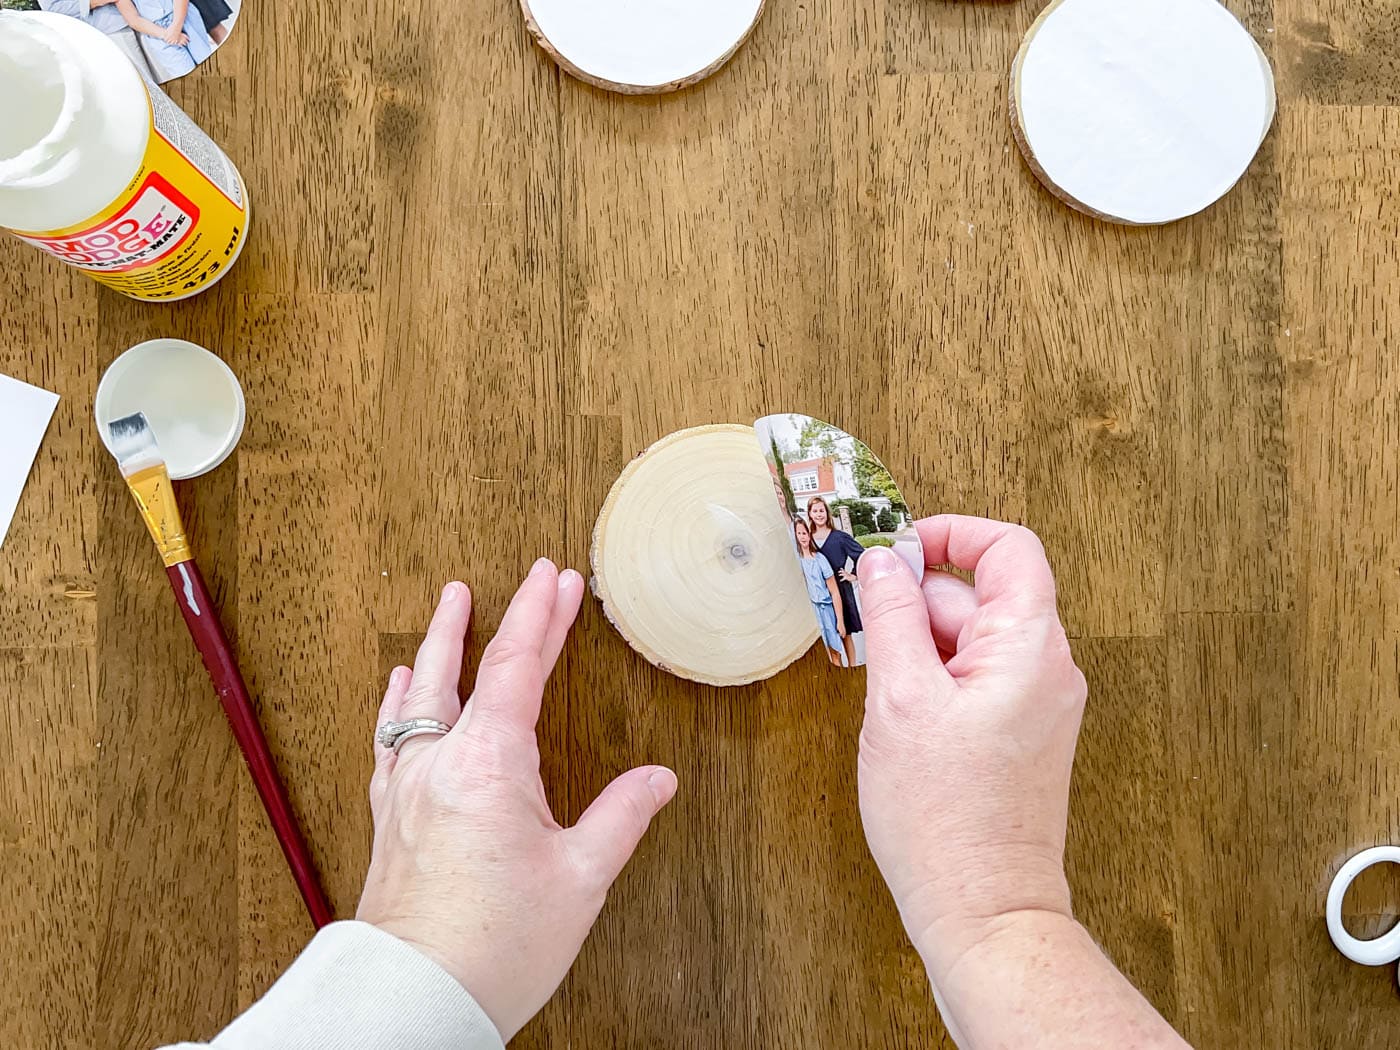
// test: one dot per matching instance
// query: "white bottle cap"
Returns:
(192, 401)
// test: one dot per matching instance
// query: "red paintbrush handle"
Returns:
(203, 621)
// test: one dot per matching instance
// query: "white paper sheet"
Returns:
(25, 412)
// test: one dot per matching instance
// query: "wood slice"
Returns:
(1140, 112)
(692, 559)
(641, 48)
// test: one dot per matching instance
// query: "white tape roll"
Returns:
(1380, 950)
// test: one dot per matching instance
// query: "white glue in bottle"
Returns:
(106, 173)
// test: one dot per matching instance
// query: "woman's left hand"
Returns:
(469, 865)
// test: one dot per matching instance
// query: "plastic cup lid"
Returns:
(192, 401)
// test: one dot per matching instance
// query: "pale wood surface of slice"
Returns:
(693, 562)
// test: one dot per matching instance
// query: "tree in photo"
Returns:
(822, 439)
(872, 479)
(781, 467)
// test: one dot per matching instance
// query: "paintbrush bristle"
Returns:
(132, 442)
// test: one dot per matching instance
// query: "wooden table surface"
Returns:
(475, 287)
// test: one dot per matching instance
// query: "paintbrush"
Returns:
(134, 446)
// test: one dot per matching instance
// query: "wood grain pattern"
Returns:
(49, 835)
(476, 287)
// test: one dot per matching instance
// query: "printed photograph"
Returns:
(839, 501)
(165, 38)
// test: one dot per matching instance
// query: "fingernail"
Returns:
(451, 592)
(568, 578)
(662, 783)
(540, 566)
(876, 564)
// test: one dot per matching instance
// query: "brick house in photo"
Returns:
(825, 476)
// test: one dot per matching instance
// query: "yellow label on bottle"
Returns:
(175, 228)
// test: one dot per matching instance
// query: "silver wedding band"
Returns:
(393, 734)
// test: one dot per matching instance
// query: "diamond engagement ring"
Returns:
(393, 734)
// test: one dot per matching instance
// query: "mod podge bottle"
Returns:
(104, 172)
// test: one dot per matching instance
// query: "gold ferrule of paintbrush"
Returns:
(155, 496)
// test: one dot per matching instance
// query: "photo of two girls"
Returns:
(838, 501)
(831, 591)
(164, 38)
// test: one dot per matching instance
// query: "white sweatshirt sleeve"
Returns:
(356, 986)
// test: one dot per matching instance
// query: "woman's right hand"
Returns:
(175, 37)
(972, 713)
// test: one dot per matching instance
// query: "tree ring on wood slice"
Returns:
(1140, 111)
(645, 47)
(693, 560)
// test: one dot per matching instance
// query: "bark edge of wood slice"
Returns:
(1019, 133)
(743, 600)
(677, 82)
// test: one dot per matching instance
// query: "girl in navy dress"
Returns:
(215, 13)
(838, 548)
